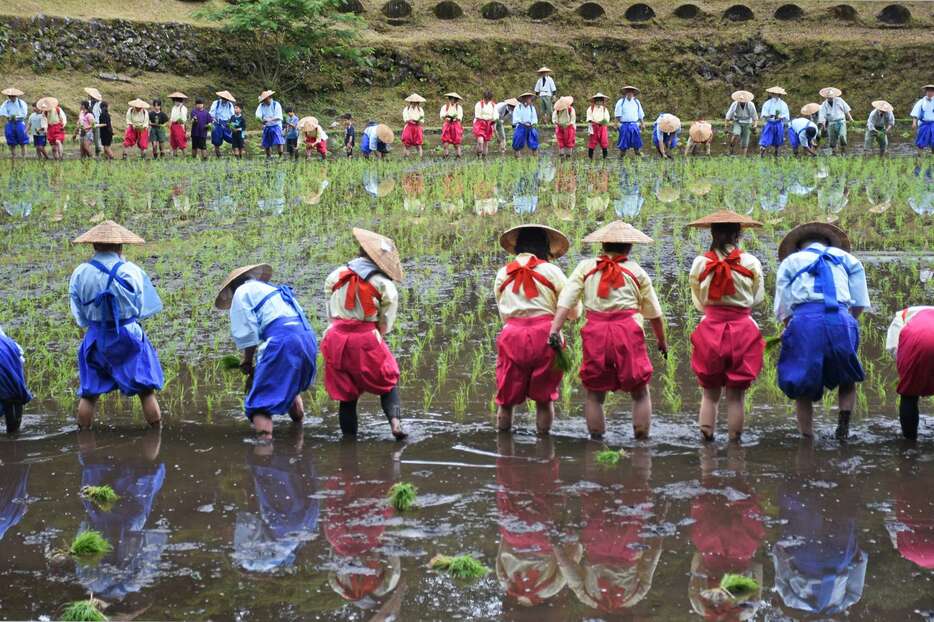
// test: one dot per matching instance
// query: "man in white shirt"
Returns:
(631, 118)
(922, 115)
(832, 117)
(881, 120)
(545, 89)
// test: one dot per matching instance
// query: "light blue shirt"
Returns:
(3, 334)
(222, 110)
(14, 109)
(923, 110)
(87, 282)
(628, 110)
(247, 326)
(849, 280)
(775, 107)
(272, 110)
(524, 114)
(660, 135)
(799, 125)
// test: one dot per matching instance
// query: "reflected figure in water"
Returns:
(14, 477)
(354, 521)
(921, 200)
(727, 533)
(618, 563)
(911, 522)
(375, 186)
(525, 195)
(413, 185)
(22, 206)
(486, 201)
(274, 202)
(833, 195)
(565, 194)
(630, 202)
(598, 186)
(819, 565)
(286, 487)
(527, 561)
(773, 194)
(136, 475)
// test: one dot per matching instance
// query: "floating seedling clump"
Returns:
(610, 457)
(102, 496)
(89, 544)
(402, 496)
(739, 586)
(83, 611)
(463, 567)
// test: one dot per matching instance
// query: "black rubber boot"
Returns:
(908, 415)
(590, 153)
(605, 154)
(843, 425)
(13, 413)
(348, 418)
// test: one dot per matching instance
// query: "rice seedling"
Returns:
(103, 497)
(83, 611)
(402, 496)
(230, 362)
(739, 586)
(610, 457)
(89, 544)
(462, 567)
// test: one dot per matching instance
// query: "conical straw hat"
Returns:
(226, 95)
(93, 93)
(47, 103)
(453, 95)
(809, 109)
(108, 232)
(928, 87)
(619, 232)
(558, 243)
(415, 98)
(564, 103)
(629, 87)
(527, 94)
(669, 123)
(725, 217)
(12, 92)
(177, 95)
(700, 131)
(265, 94)
(776, 90)
(511, 101)
(138, 103)
(382, 251)
(308, 124)
(882, 105)
(385, 134)
(829, 92)
(801, 233)
(261, 271)
(742, 96)
(543, 70)
(599, 95)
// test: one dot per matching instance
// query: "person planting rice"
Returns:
(269, 112)
(362, 308)
(14, 393)
(39, 128)
(315, 138)
(84, 131)
(504, 111)
(109, 298)
(291, 132)
(200, 122)
(803, 132)
(631, 118)
(726, 283)
(350, 134)
(617, 295)
(57, 122)
(700, 133)
(832, 116)
(598, 122)
(238, 132)
(922, 119)
(15, 111)
(279, 345)
(820, 291)
(376, 140)
(106, 131)
(524, 122)
(158, 134)
(96, 101)
(222, 109)
(527, 290)
(178, 118)
(564, 119)
(452, 129)
(665, 134)
(484, 115)
(546, 90)
(744, 119)
(413, 117)
(911, 340)
(881, 121)
(775, 114)
(137, 128)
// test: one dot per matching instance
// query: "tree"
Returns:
(291, 35)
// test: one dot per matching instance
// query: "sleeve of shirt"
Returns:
(389, 305)
(895, 331)
(697, 296)
(618, 109)
(846, 106)
(859, 290)
(782, 287)
(641, 111)
(758, 280)
(259, 112)
(752, 110)
(497, 284)
(648, 299)
(730, 112)
(573, 117)
(277, 112)
(573, 289)
(244, 325)
(129, 117)
(62, 117)
(822, 113)
(77, 309)
(560, 281)
(534, 115)
(554, 117)
(460, 113)
(916, 110)
(786, 115)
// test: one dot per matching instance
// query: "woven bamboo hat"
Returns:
(810, 230)
(93, 93)
(265, 94)
(724, 217)
(883, 106)
(669, 123)
(308, 124)
(260, 271)
(700, 131)
(47, 103)
(511, 101)
(226, 95)
(742, 96)
(177, 95)
(382, 251)
(138, 103)
(415, 98)
(543, 70)
(809, 109)
(598, 96)
(629, 87)
(453, 95)
(829, 92)
(928, 87)
(12, 92)
(618, 232)
(385, 134)
(527, 94)
(108, 232)
(564, 103)
(558, 243)
(776, 90)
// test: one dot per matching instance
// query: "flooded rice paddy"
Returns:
(213, 526)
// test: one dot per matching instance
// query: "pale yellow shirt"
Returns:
(571, 115)
(456, 111)
(749, 292)
(598, 114)
(137, 118)
(485, 111)
(415, 114)
(179, 114)
(642, 298)
(902, 318)
(388, 305)
(515, 304)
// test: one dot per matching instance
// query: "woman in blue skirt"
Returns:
(775, 115)
(820, 291)
(269, 112)
(665, 132)
(279, 345)
(13, 391)
(109, 297)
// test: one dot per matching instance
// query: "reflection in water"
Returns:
(797, 185)
(136, 475)
(911, 524)
(921, 200)
(819, 566)
(598, 186)
(20, 206)
(375, 186)
(630, 201)
(274, 202)
(14, 477)
(286, 487)
(565, 194)
(833, 194)
(525, 195)
(354, 522)
(739, 197)
(773, 194)
(413, 186)
(486, 202)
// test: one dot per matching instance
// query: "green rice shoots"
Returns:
(563, 362)
(739, 586)
(89, 544)
(83, 611)
(610, 457)
(772, 342)
(402, 496)
(230, 361)
(463, 567)
(103, 497)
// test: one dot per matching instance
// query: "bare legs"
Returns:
(641, 413)
(735, 408)
(87, 408)
(804, 409)
(544, 417)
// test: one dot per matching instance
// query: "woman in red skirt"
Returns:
(911, 340)
(617, 295)
(362, 307)
(598, 120)
(413, 116)
(565, 119)
(725, 284)
(452, 129)
(526, 291)
(484, 115)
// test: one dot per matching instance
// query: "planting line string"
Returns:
(493, 454)
(452, 464)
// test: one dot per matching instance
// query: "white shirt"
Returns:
(744, 115)
(775, 107)
(833, 110)
(485, 110)
(246, 326)
(270, 114)
(14, 109)
(799, 125)
(628, 110)
(413, 113)
(879, 120)
(524, 115)
(456, 111)
(923, 109)
(901, 320)
(598, 114)
(96, 111)
(545, 86)
(179, 114)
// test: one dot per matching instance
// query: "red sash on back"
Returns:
(525, 277)
(722, 269)
(613, 274)
(358, 289)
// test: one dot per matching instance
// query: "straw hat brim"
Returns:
(558, 243)
(382, 251)
(884, 106)
(177, 95)
(618, 232)
(12, 92)
(830, 92)
(801, 233)
(725, 217)
(629, 87)
(564, 103)
(47, 103)
(385, 133)
(742, 96)
(260, 271)
(776, 90)
(527, 94)
(669, 123)
(598, 96)
(809, 109)
(928, 87)
(308, 124)
(453, 95)
(265, 94)
(138, 103)
(415, 98)
(543, 70)
(512, 101)
(226, 95)
(108, 232)
(93, 93)
(700, 132)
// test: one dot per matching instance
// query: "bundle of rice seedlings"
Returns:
(402, 496)
(563, 361)
(230, 361)
(102, 496)
(464, 567)
(772, 342)
(739, 586)
(83, 611)
(89, 543)
(610, 457)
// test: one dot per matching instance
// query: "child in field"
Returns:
(413, 116)
(484, 116)
(315, 138)
(13, 391)
(598, 122)
(57, 122)
(158, 134)
(452, 129)
(84, 130)
(881, 121)
(700, 133)
(291, 132)
(911, 340)
(137, 128)
(237, 125)
(744, 118)
(14, 110)
(803, 132)
(38, 128)
(503, 116)
(178, 118)
(350, 134)
(200, 122)
(524, 126)
(564, 118)
(922, 120)
(775, 114)
(106, 132)
(631, 119)
(665, 134)
(368, 139)
(362, 308)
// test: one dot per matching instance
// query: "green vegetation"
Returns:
(739, 586)
(230, 361)
(83, 611)
(89, 544)
(102, 496)
(610, 457)
(402, 496)
(463, 567)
